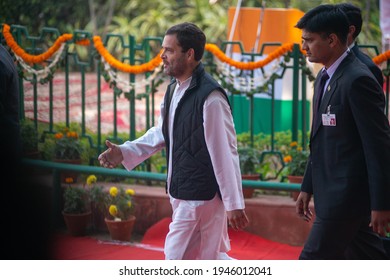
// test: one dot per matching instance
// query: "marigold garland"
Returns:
(382, 57)
(33, 58)
(249, 65)
(135, 69)
(156, 61)
(83, 42)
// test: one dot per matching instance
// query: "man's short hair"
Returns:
(325, 20)
(354, 15)
(189, 36)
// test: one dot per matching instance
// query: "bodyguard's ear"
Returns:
(352, 30)
(332, 39)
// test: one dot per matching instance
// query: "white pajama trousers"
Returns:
(198, 231)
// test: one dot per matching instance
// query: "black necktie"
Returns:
(319, 89)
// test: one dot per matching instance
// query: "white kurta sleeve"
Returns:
(136, 151)
(220, 136)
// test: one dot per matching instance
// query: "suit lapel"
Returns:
(329, 91)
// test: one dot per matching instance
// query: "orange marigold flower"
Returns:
(69, 180)
(72, 134)
(287, 159)
(294, 144)
(58, 135)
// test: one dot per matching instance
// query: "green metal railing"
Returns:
(83, 60)
(56, 169)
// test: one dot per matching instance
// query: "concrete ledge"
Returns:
(272, 217)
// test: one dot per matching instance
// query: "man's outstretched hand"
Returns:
(111, 157)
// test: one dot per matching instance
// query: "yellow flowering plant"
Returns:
(77, 199)
(116, 203)
(295, 160)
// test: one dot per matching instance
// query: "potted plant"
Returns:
(249, 162)
(68, 149)
(29, 136)
(67, 145)
(295, 160)
(117, 206)
(77, 209)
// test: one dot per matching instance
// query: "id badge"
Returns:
(328, 119)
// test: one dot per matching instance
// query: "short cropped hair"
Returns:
(354, 15)
(189, 36)
(325, 20)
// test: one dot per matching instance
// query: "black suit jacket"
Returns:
(348, 171)
(370, 64)
(9, 107)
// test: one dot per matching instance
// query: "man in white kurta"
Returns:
(199, 227)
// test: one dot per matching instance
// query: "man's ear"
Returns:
(332, 39)
(190, 53)
(352, 30)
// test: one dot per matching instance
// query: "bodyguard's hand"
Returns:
(380, 222)
(302, 206)
(237, 219)
(111, 157)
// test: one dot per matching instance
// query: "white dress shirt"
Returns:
(220, 139)
(332, 69)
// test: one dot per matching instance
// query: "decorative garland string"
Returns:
(47, 70)
(110, 61)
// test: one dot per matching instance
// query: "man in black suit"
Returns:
(348, 169)
(9, 108)
(21, 199)
(354, 16)
(10, 142)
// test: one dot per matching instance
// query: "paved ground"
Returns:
(91, 106)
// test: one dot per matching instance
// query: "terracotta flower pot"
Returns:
(77, 224)
(248, 192)
(121, 230)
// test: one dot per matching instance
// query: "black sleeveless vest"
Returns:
(193, 175)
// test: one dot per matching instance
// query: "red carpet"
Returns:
(245, 246)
